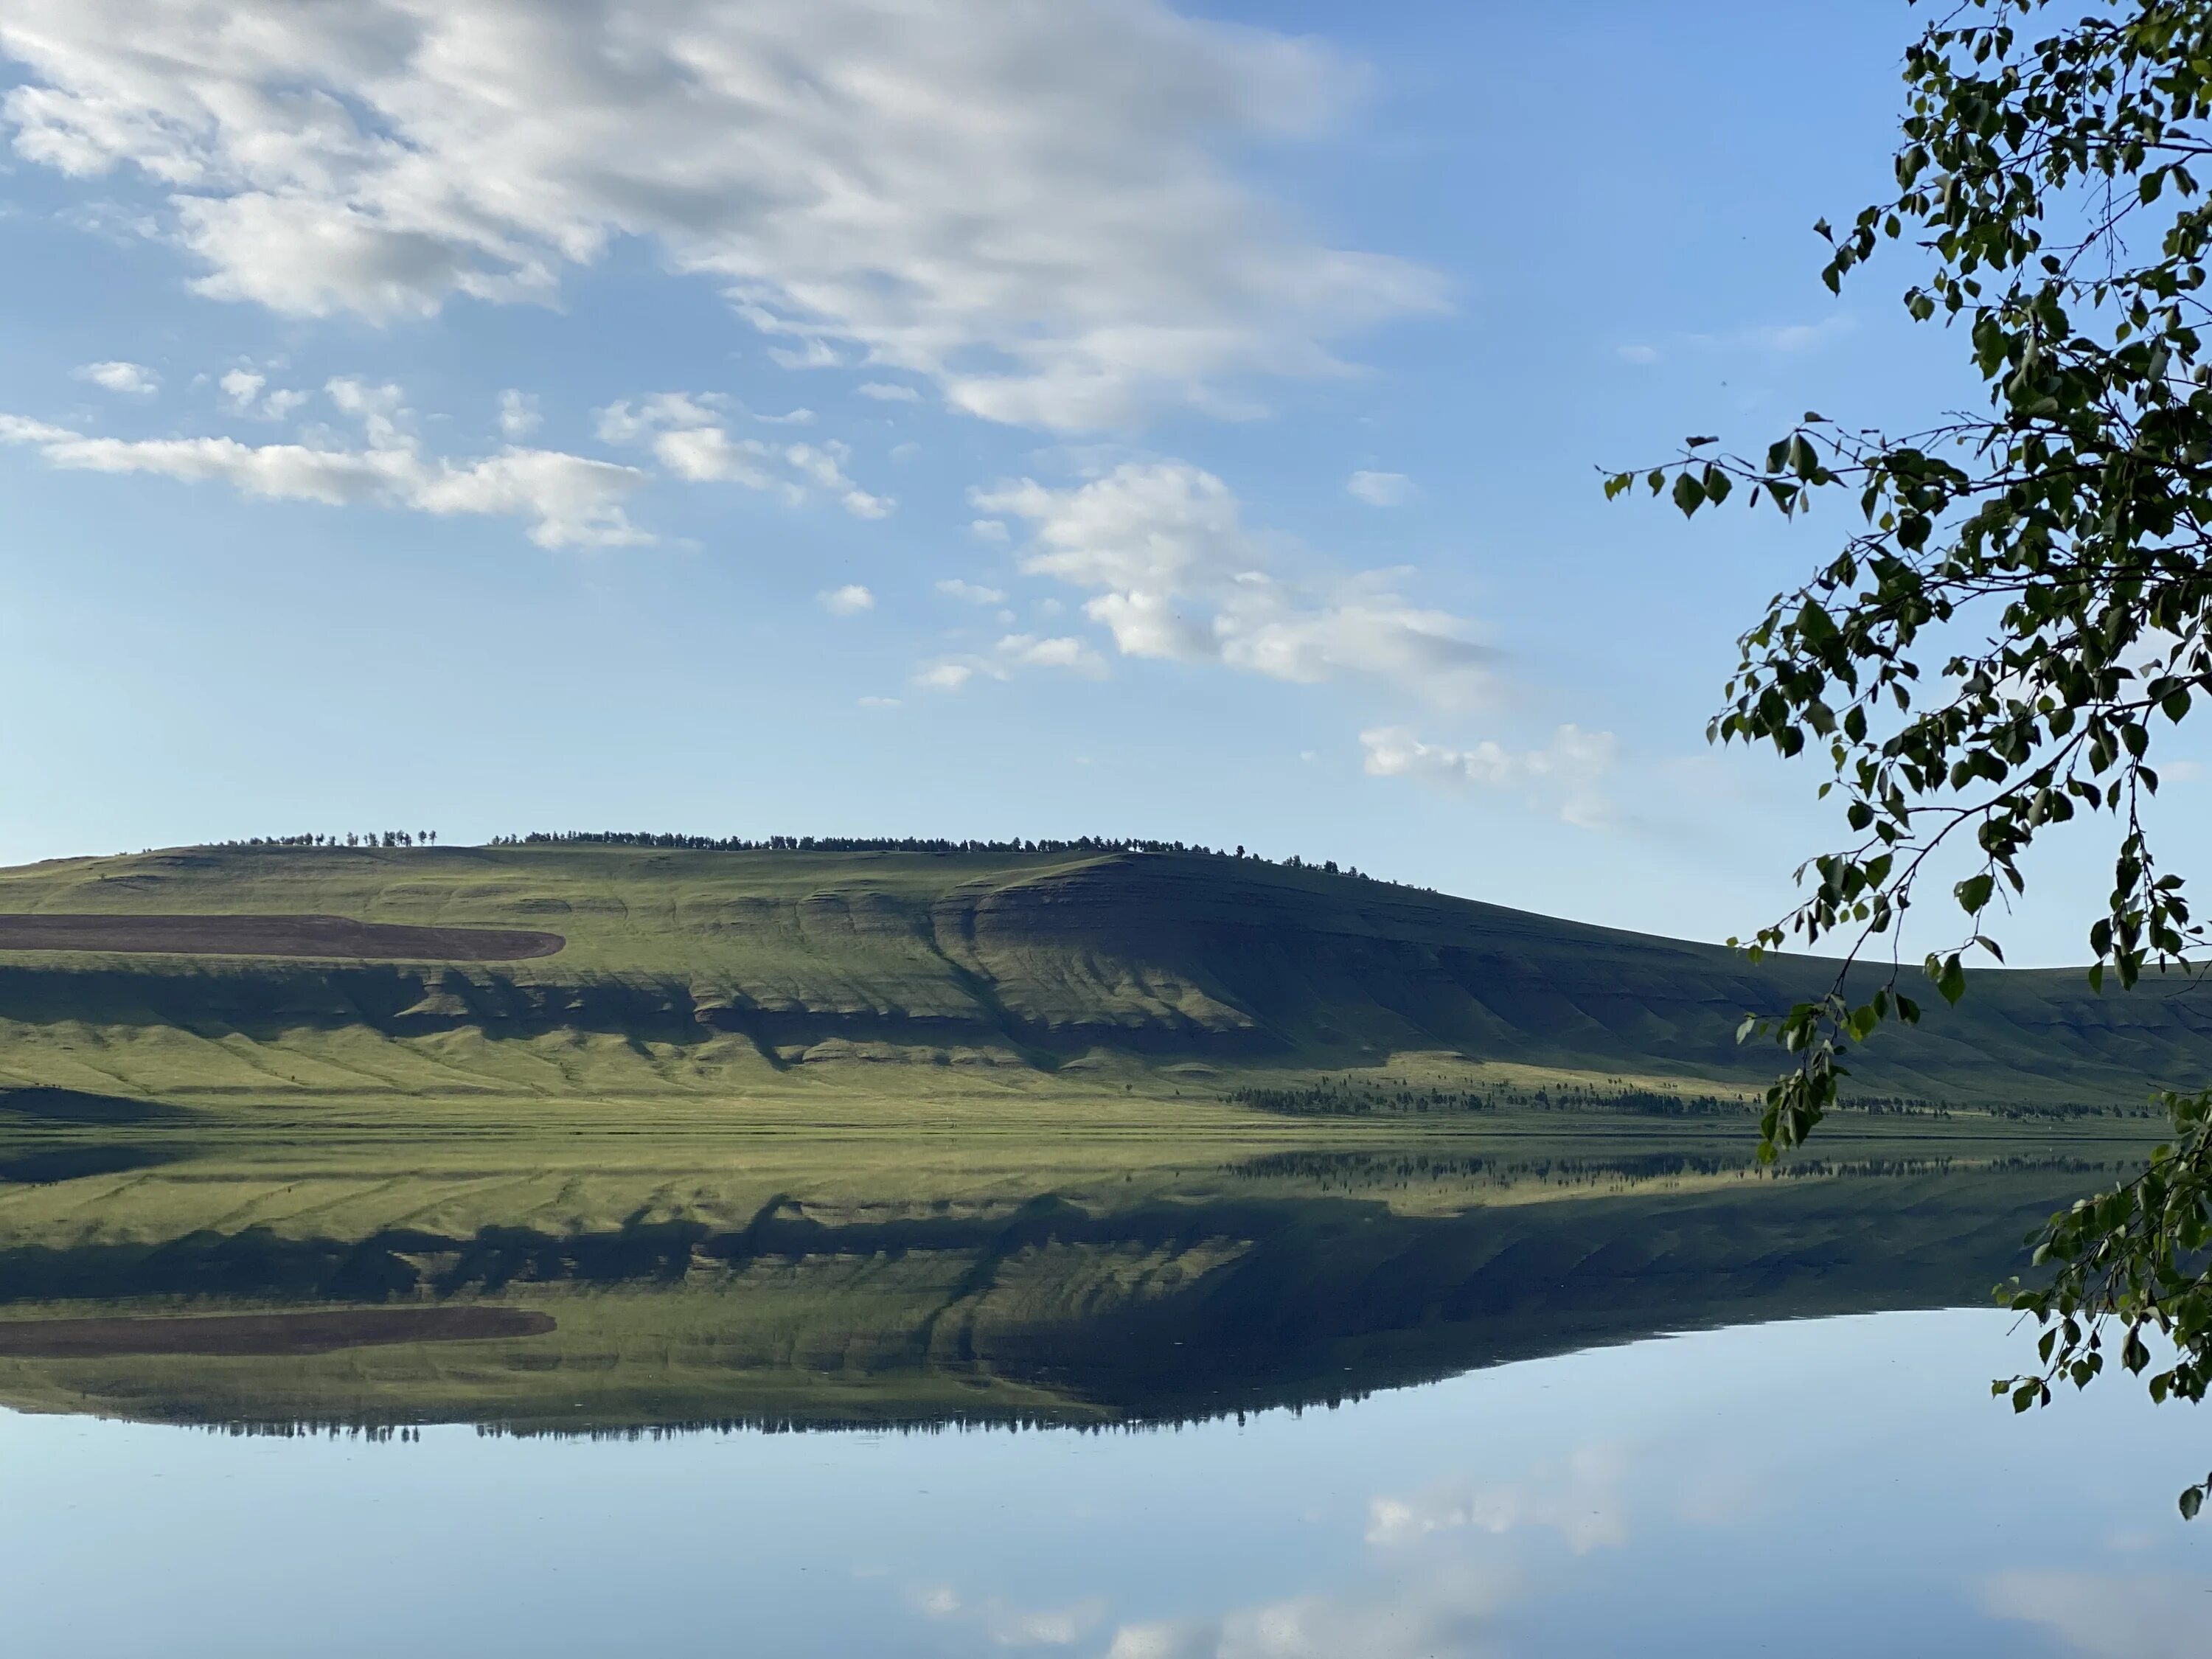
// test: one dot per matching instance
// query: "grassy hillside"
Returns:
(926, 976)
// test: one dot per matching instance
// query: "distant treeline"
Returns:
(2066, 1109)
(1081, 844)
(1340, 1097)
(1356, 1171)
(1390, 1097)
(352, 838)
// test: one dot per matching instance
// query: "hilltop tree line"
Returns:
(1082, 844)
(914, 844)
(358, 838)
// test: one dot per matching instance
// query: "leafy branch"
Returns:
(2024, 601)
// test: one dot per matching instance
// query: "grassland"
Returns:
(931, 981)
(910, 1138)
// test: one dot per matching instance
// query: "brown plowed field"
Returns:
(272, 936)
(263, 1333)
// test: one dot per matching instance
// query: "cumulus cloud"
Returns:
(953, 588)
(1009, 1625)
(1034, 207)
(130, 379)
(566, 500)
(247, 392)
(1583, 1503)
(1176, 573)
(519, 414)
(1381, 489)
(1566, 776)
(825, 465)
(2105, 1615)
(685, 432)
(846, 601)
(1011, 655)
(1451, 1611)
(884, 391)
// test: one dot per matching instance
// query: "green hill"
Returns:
(703, 971)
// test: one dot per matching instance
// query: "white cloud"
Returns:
(243, 389)
(953, 588)
(1639, 355)
(1028, 651)
(1183, 578)
(1009, 1626)
(1011, 655)
(381, 410)
(1381, 489)
(1566, 776)
(988, 530)
(1035, 206)
(2105, 1615)
(1452, 1610)
(846, 601)
(884, 391)
(567, 501)
(826, 466)
(882, 702)
(685, 433)
(948, 675)
(1583, 1503)
(130, 379)
(518, 415)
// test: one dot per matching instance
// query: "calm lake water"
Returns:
(1838, 1486)
(1398, 1404)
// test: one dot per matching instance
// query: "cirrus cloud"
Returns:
(1567, 775)
(566, 500)
(685, 434)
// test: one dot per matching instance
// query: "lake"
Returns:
(1560, 1407)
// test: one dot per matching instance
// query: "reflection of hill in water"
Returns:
(1292, 1282)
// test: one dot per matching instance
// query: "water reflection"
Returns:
(194, 1293)
(1830, 1488)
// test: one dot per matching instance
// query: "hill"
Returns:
(579, 969)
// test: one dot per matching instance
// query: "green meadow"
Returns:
(910, 1138)
(940, 982)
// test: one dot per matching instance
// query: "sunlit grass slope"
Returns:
(898, 976)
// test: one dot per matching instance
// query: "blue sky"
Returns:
(842, 416)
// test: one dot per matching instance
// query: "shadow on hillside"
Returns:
(72, 1106)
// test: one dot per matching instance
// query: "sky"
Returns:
(984, 418)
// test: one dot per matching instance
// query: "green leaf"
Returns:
(1689, 494)
(1951, 980)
